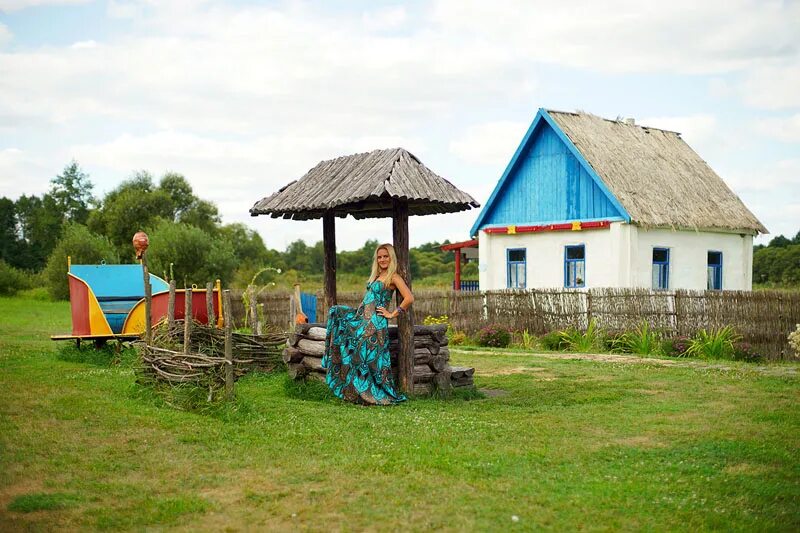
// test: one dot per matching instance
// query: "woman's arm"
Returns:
(405, 292)
(399, 283)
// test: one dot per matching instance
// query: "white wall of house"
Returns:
(688, 251)
(618, 256)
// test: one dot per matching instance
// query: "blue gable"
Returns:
(548, 181)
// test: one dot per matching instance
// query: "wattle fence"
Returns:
(763, 318)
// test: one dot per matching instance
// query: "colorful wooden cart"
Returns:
(107, 302)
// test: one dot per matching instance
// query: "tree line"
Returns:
(188, 241)
(778, 263)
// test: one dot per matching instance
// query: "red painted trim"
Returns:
(458, 269)
(459, 245)
(566, 226)
(79, 304)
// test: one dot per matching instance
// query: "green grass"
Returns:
(569, 444)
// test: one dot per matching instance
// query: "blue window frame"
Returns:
(515, 269)
(575, 266)
(661, 268)
(714, 271)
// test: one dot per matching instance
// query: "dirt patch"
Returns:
(493, 393)
(777, 371)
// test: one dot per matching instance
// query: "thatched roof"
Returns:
(655, 175)
(363, 185)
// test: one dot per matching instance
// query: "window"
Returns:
(715, 271)
(575, 266)
(661, 268)
(515, 259)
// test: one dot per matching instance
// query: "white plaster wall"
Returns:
(688, 258)
(620, 256)
(606, 256)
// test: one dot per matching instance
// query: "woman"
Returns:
(357, 341)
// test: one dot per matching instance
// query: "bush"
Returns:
(196, 256)
(743, 351)
(582, 342)
(716, 344)
(458, 338)
(642, 341)
(553, 341)
(494, 335)
(675, 347)
(84, 247)
(794, 340)
(12, 280)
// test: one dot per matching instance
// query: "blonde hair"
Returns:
(390, 271)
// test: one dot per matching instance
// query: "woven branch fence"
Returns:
(763, 318)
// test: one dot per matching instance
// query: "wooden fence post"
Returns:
(212, 320)
(588, 307)
(171, 306)
(254, 329)
(226, 304)
(187, 319)
(148, 298)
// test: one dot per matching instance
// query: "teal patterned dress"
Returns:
(356, 356)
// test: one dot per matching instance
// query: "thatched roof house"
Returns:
(654, 176)
(658, 199)
(363, 185)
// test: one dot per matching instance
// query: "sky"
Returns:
(244, 97)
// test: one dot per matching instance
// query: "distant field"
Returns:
(558, 444)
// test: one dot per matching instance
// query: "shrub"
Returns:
(434, 320)
(643, 341)
(675, 347)
(717, 344)
(494, 335)
(458, 338)
(12, 280)
(582, 342)
(527, 341)
(84, 247)
(794, 340)
(743, 351)
(553, 341)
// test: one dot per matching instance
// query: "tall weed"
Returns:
(582, 342)
(716, 344)
(644, 341)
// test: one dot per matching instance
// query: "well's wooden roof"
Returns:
(364, 185)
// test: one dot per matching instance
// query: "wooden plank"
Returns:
(226, 304)
(171, 306)
(329, 249)
(212, 320)
(187, 320)
(405, 322)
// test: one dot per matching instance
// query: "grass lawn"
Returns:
(567, 444)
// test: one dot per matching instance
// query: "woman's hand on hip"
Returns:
(385, 312)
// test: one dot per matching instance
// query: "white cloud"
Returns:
(773, 87)
(783, 129)
(630, 36)
(17, 5)
(17, 168)
(695, 129)
(491, 143)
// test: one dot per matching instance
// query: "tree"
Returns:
(39, 226)
(179, 190)
(9, 240)
(779, 242)
(196, 256)
(72, 192)
(84, 247)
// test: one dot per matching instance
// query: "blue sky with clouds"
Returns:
(244, 97)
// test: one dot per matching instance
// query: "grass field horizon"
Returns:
(561, 444)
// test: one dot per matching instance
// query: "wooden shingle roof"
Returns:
(364, 185)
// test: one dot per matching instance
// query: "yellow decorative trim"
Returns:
(511, 230)
(576, 226)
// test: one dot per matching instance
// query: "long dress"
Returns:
(356, 359)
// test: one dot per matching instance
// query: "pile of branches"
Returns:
(164, 360)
